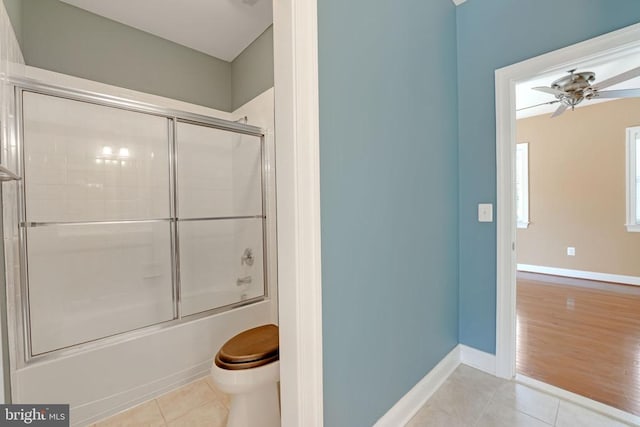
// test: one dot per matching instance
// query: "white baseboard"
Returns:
(581, 274)
(97, 410)
(579, 400)
(478, 359)
(410, 403)
(402, 412)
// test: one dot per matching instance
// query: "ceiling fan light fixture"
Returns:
(571, 90)
(571, 100)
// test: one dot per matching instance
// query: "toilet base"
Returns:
(260, 407)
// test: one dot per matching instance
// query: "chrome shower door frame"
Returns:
(19, 322)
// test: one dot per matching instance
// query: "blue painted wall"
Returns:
(492, 34)
(388, 166)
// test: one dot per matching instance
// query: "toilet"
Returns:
(247, 367)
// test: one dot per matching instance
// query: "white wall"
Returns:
(260, 112)
(11, 61)
(107, 378)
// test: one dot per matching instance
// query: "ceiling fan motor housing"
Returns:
(576, 87)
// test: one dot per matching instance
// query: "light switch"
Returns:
(485, 212)
(571, 251)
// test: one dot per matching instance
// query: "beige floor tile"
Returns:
(476, 379)
(433, 416)
(570, 415)
(461, 401)
(471, 398)
(147, 415)
(529, 401)
(497, 415)
(179, 402)
(223, 397)
(213, 414)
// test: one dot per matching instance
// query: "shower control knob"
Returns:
(247, 257)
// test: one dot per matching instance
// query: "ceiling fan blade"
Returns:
(550, 90)
(622, 93)
(561, 109)
(537, 105)
(627, 75)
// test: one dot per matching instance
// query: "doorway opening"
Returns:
(596, 52)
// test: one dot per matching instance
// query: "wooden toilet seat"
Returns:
(250, 349)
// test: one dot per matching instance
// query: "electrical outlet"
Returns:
(571, 251)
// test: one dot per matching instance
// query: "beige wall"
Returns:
(577, 190)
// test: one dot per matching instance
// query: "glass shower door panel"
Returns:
(221, 263)
(219, 173)
(86, 162)
(92, 281)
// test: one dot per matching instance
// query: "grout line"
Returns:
(211, 387)
(189, 411)
(486, 406)
(555, 420)
(537, 418)
(160, 409)
(219, 395)
(534, 416)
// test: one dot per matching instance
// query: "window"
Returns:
(522, 185)
(633, 179)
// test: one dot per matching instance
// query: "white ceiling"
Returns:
(604, 67)
(220, 28)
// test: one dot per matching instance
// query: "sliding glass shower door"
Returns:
(220, 217)
(97, 211)
(132, 216)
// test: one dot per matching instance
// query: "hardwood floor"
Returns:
(585, 339)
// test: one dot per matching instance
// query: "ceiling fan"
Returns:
(571, 90)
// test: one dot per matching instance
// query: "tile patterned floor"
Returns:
(198, 404)
(471, 398)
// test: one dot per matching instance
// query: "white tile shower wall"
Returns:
(85, 162)
(246, 163)
(110, 378)
(248, 236)
(210, 263)
(218, 173)
(11, 62)
(260, 112)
